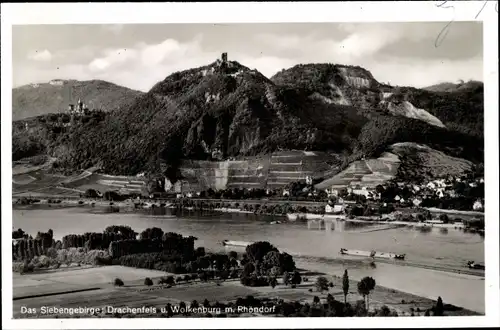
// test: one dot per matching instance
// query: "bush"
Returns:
(148, 281)
(321, 284)
(118, 282)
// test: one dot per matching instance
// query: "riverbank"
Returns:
(65, 288)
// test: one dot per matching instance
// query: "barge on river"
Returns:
(235, 243)
(372, 254)
(473, 265)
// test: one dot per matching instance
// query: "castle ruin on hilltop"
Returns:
(80, 108)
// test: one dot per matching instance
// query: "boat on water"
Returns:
(334, 216)
(235, 243)
(372, 254)
(473, 265)
(303, 216)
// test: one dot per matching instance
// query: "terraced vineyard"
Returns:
(102, 183)
(270, 171)
(41, 183)
(367, 173)
(34, 181)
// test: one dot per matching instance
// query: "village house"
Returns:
(417, 201)
(337, 208)
(440, 193)
(309, 180)
(477, 206)
(286, 192)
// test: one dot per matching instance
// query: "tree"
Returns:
(316, 300)
(439, 308)
(248, 269)
(200, 252)
(194, 304)
(271, 260)
(169, 309)
(286, 278)
(91, 193)
(118, 282)
(379, 189)
(345, 285)
(152, 233)
(330, 299)
(170, 280)
(148, 281)
(233, 254)
(443, 217)
(258, 250)
(182, 306)
(321, 284)
(287, 263)
(296, 278)
(273, 282)
(365, 286)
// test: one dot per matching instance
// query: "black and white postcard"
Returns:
(275, 165)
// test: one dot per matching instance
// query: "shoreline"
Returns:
(129, 208)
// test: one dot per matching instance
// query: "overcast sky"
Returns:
(138, 56)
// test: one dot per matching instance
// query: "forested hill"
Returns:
(54, 96)
(224, 109)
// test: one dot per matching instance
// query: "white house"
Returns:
(337, 208)
(332, 192)
(397, 198)
(473, 184)
(286, 192)
(481, 180)
(477, 206)
(440, 193)
(440, 183)
(309, 180)
(417, 201)
(431, 185)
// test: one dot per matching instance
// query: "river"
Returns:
(312, 248)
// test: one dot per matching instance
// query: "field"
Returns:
(34, 182)
(41, 183)
(367, 173)
(92, 288)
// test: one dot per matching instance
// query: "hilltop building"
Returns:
(80, 108)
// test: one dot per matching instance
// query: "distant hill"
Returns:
(53, 97)
(225, 110)
(451, 87)
(420, 163)
(405, 161)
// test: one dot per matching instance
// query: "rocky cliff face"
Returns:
(224, 110)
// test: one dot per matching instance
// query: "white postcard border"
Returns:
(125, 13)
